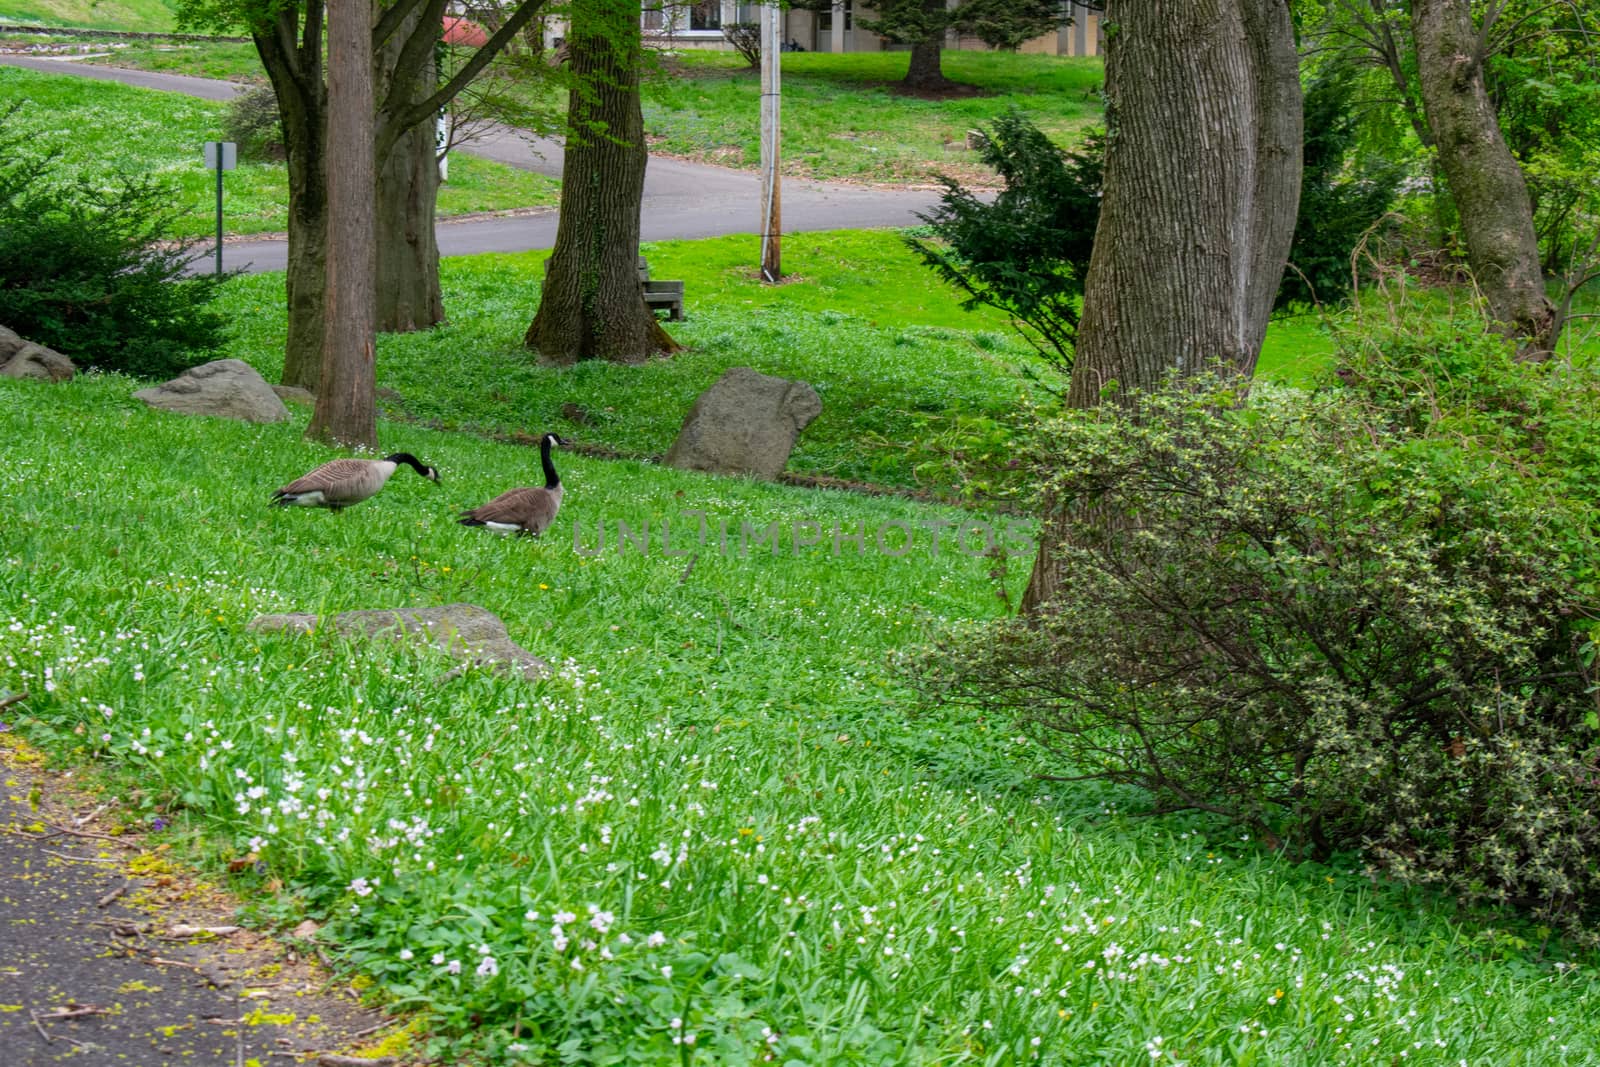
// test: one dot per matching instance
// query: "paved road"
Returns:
(681, 199)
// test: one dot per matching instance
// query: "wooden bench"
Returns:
(657, 295)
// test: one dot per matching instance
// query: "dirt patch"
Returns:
(947, 91)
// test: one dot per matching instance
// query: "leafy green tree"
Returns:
(591, 306)
(290, 39)
(89, 268)
(1008, 24)
(1202, 181)
(1344, 190)
(923, 23)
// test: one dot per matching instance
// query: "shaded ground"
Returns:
(112, 954)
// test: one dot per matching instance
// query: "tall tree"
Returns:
(345, 411)
(1485, 181)
(409, 295)
(289, 38)
(1201, 183)
(923, 24)
(592, 306)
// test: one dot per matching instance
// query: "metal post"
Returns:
(219, 209)
(771, 215)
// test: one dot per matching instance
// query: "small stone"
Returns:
(465, 631)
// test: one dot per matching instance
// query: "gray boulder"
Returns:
(21, 358)
(465, 631)
(746, 423)
(230, 388)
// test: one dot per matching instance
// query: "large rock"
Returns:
(21, 358)
(746, 423)
(465, 631)
(230, 388)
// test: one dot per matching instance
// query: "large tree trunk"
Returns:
(346, 404)
(291, 53)
(1490, 193)
(409, 295)
(290, 46)
(592, 306)
(306, 283)
(1201, 188)
(925, 72)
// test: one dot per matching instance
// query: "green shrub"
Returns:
(253, 123)
(1344, 192)
(1354, 619)
(1026, 252)
(89, 270)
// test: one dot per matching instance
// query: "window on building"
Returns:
(655, 18)
(747, 13)
(825, 18)
(705, 15)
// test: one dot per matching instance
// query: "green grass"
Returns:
(147, 16)
(844, 119)
(722, 786)
(233, 61)
(103, 128)
(905, 376)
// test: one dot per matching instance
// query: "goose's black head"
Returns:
(414, 463)
(553, 439)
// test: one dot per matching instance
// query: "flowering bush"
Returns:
(1352, 619)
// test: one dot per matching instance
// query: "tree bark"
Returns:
(592, 306)
(409, 293)
(1490, 193)
(926, 72)
(346, 402)
(291, 53)
(1201, 189)
(290, 45)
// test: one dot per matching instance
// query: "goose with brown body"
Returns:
(526, 512)
(341, 482)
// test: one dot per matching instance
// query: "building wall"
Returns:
(671, 28)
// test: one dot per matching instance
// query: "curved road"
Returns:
(681, 200)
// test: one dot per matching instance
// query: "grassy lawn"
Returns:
(907, 378)
(232, 61)
(717, 821)
(145, 16)
(905, 375)
(102, 128)
(843, 118)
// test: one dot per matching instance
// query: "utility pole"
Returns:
(771, 215)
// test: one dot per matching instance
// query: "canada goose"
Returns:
(523, 511)
(341, 482)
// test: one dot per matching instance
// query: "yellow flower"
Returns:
(543, 586)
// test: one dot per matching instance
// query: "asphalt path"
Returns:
(682, 200)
